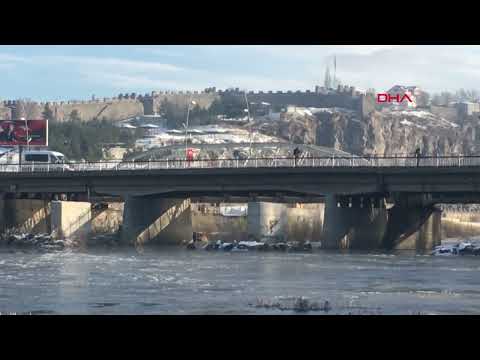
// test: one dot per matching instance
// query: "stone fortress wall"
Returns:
(345, 97)
(128, 105)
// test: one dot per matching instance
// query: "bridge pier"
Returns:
(266, 220)
(71, 219)
(412, 224)
(358, 222)
(354, 222)
(151, 220)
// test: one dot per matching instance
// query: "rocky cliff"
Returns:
(380, 133)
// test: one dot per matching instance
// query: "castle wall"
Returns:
(115, 110)
(306, 99)
(128, 105)
(180, 100)
(5, 113)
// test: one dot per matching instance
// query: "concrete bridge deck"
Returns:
(158, 193)
(447, 177)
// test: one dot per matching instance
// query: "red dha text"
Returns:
(381, 98)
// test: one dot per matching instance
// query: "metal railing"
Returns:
(265, 162)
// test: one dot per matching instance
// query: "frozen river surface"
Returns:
(168, 281)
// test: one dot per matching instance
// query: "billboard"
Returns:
(15, 132)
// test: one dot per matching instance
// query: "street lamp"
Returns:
(191, 102)
(26, 129)
(20, 147)
(247, 110)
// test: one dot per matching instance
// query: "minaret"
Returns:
(334, 71)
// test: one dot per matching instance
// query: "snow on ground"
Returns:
(233, 210)
(422, 119)
(313, 110)
(406, 122)
(204, 135)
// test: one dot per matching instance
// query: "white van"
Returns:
(44, 160)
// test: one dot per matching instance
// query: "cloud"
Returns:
(251, 67)
(174, 51)
(10, 58)
(113, 64)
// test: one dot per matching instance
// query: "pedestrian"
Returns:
(417, 155)
(189, 156)
(296, 155)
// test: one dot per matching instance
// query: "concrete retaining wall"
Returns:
(220, 227)
(108, 221)
(26, 215)
(453, 228)
(305, 223)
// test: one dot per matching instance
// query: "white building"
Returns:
(466, 108)
(413, 92)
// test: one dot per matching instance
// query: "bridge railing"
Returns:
(265, 162)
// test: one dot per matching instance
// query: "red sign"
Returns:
(389, 98)
(23, 132)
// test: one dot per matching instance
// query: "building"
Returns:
(466, 108)
(261, 108)
(403, 90)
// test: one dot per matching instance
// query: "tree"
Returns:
(47, 113)
(84, 140)
(75, 116)
(26, 108)
(328, 79)
(217, 107)
(233, 104)
(171, 112)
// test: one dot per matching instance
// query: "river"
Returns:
(178, 281)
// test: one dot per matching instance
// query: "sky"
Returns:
(50, 73)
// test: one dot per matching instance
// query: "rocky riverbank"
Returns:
(51, 242)
(298, 304)
(244, 246)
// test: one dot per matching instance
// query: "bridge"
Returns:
(356, 190)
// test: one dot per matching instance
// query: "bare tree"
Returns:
(27, 109)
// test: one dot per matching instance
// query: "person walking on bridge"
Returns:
(296, 155)
(417, 155)
(189, 156)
